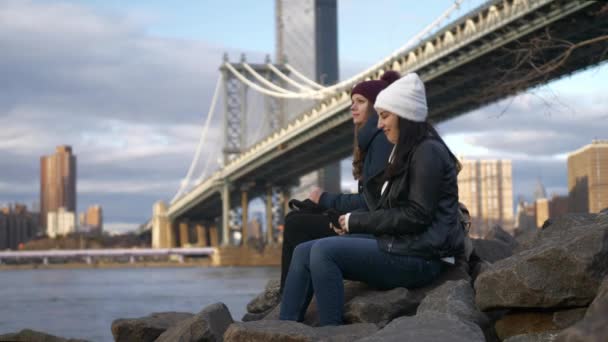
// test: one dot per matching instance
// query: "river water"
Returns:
(82, 303)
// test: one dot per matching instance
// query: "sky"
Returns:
(128, 85)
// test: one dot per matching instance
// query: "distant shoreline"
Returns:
(106, 265)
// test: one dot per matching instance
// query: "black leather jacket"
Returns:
(418, 212)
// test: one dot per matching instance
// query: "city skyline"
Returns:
(132, 104)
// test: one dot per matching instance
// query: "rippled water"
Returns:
(82, 303)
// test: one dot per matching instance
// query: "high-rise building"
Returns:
(94, 218)
(588, 178)
(57, 182)
(17, 225)
(60, 222)
(486, 188)
(307, 38)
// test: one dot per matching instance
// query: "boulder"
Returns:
(524, 323)
(28, 335)
(499, 234)
(208, 325)
(535, 337)
(270, 331)
(479, 268)
(563, 270)
(267, 299)
(250, 317)
(455, 299)
(380, 306)
(440, 327)
(491, 250)
(530, 323)
(593, 326)
(564, 319)
(147, 328)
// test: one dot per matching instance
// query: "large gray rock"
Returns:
(594, 325)
(28, 335)
(267, 299)
(209, 325)
(250, 317)
(564, 319)
(521, 323)
(548, 336)
(146, 328)
(491, 250)
(380, 306)
(455, 299)
(499, 234)
(563, 270)
(528, 323)
(270, 331)
(428, 329)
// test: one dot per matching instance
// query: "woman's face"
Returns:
(359, 109)
(389, 124)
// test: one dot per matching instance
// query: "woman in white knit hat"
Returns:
(413, 231)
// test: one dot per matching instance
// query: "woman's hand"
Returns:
(337, 230)
(342, 229)
(315, 194)
(342, 221)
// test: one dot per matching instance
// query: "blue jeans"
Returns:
(319, 266)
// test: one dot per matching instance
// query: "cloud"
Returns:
(131, 105)
(536, 130)
(536, 124)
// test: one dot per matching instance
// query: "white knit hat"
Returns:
(405, 97)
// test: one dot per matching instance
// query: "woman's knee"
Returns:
(301, 254)
(324, 249)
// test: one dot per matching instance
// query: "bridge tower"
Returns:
(235, 142)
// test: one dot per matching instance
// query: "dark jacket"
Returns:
(418, 212)
(377, 150)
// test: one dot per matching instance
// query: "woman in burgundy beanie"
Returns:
(370, 155)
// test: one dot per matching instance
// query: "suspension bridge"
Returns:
(498, 49)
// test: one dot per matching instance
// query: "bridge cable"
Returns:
(321, 91)
(185, 182)
(285, 78)
(242, 78)
(263, 80)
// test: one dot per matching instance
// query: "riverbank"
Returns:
(110, 265)
(226, 256)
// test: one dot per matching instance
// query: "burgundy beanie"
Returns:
(371, 89)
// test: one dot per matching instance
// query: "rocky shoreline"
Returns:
(546, 285)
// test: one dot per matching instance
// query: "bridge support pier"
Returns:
(45, 260)
(132, 259)
(213, 236)
(183, 233)
(201, 235)
(88, 260)
(269, 227)
(226, 214)
(245, 213)
(162, 229)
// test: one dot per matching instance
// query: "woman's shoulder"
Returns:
(431, 147)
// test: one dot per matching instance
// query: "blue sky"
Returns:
(128, 83)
